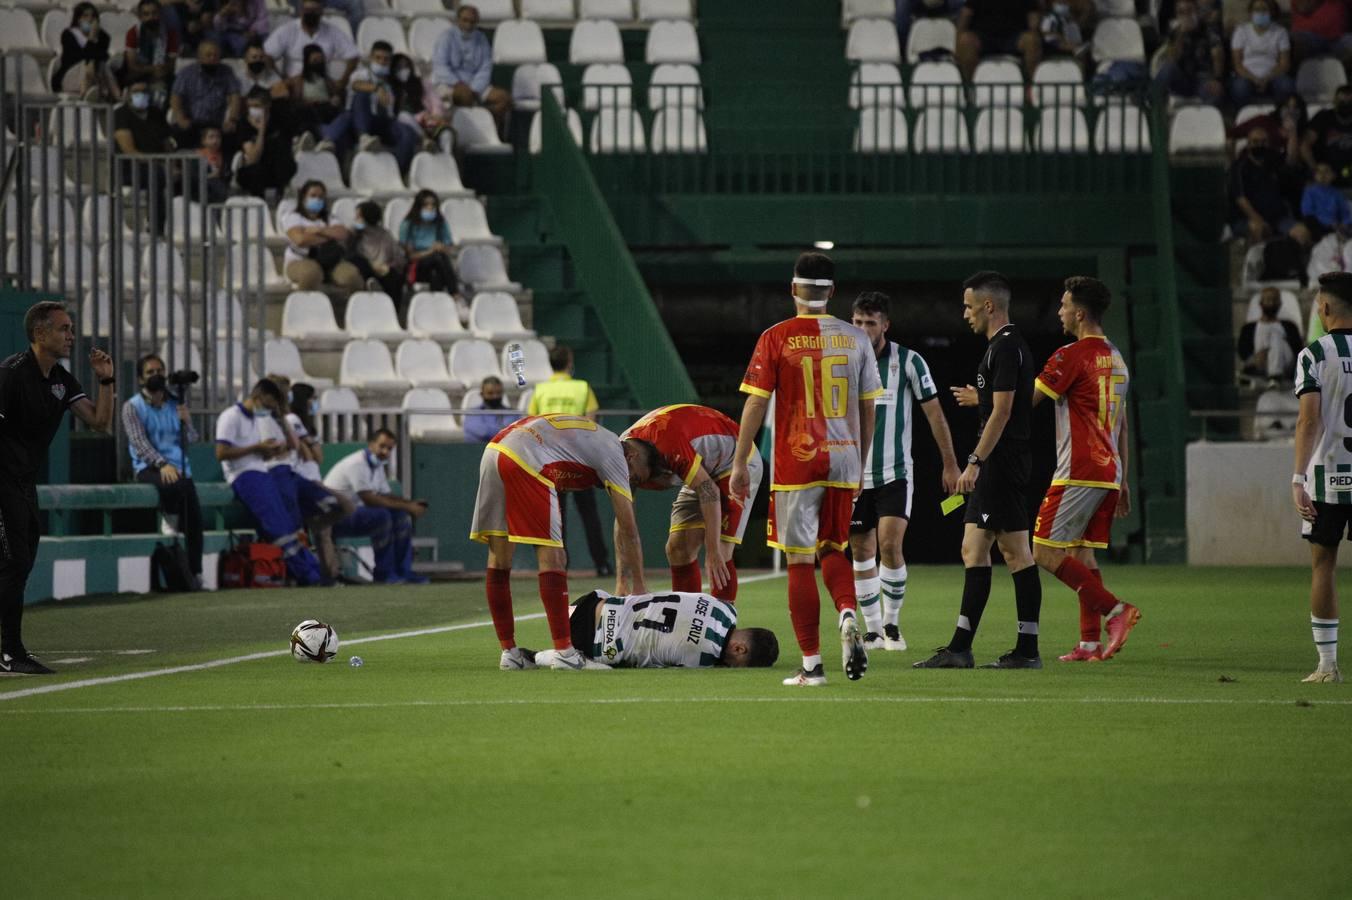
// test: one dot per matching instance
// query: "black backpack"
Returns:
(170, 571)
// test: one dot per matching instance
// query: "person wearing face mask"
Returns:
(152, 50)
(289, 46)
(314, 100)
(376, 254)
(1329, 138)
(381, 515)
(1268, 345)
(258, 73)
(1194, 57)
(482, 428)
(1260, 51)
(427, 241)
(139, 128)
(416, 106)
(304, 407)
(268, 164)
(239, 23)
(315, 251)
(1260, 207)
(462, 67)
(85, 44)
(159, 429)
(206, 94)
(1062, 31)
(370, 113)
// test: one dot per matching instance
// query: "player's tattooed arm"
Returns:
(707, 491)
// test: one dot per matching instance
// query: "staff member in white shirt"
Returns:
(386, 519)
(286, 45)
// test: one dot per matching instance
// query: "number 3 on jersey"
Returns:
(835, 388)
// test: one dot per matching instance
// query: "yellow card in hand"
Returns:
(952, 503)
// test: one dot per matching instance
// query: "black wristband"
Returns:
(106, 381)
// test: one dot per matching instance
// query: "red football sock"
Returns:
(554, 595)
(1077, 576)
(1097, 575)
(686, 578)
(839, 577)
(728, 593)
(1091, 623)
(499, 590)
(805, 607)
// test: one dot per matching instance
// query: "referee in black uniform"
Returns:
(996, 479)
(35, 392)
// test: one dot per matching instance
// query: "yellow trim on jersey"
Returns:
(1037, 383)
(694, 469)
(873, 394)
(1065, 545)
(805, 551)
(847, 485)
(1075, 482)
(520, 462)
(748, 389)
(623, 491)
(813, 315)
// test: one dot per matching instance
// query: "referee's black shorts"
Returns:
(1000, 500)
(1331, 522)
(891, 499)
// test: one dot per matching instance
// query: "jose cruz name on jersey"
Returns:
(697, 621)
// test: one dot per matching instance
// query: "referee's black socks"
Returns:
(1028, 604)
(976, 590)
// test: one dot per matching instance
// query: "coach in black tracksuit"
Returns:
(35, 392)
(996, 480)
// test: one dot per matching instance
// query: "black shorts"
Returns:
(582, 623)
(891, 499)
(1000, 501)
(19, 533)
(1331, 522)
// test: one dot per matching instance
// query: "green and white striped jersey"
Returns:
(906, 379)
(658, 631)
(1326, 367)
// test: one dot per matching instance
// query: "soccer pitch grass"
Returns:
(1194, 764)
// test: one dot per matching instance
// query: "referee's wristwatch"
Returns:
(974, 460)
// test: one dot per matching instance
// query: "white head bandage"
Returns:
(813, 282)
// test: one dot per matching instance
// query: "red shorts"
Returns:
(1074, 515)
(809, 520)
(515, 503)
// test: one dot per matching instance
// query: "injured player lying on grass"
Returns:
(657, 631)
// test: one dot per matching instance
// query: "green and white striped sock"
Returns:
(894, 593)
(1325, 640)
(866, 592)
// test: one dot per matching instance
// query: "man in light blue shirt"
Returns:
(462, 66)
(483, 428)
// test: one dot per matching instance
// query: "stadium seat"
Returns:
(430, 426)
(51, 215)
(615, 10)
(339, 22)
(75, 125)
(96, 314)
(595, 41)
(941, 130)
(1106, 8)
(548, 10)
(1122, 128)
(234, 368)
(537, 367)
(376, 174)
(410, 8)
(473, 360)
(1062, 130)
(617, 131)
(574, 128)
(1058, 82)
(476, 131)
(997, 82)
(281, 357)
(130, 262)
(395, 213)
(381, 28)
(1317, 79)
(495, 316)
(523, 402)
(422, 363)
(606, 84)
(181, 353)
(307, 319)
(96, 225)
(435, 172)
(344, 210)
(433, 316)
(516, 42)
(491, 11)
(423, 34)
(117, 24)
(936, 84)
(1118, 40)
(679, 130)
(654, 10)
(162, 264)
(1196, 129)
(482, 266)
(873, 40)
(368, 365)
(675, 84)
(672, 42)
(1254, 111)
(371, 315)
(163, 313)
(338, 400)
(877, 84)
(882, 129)
(22, 75)
(471, 399)
(529, 82)
(54, 22)
(468, 222)
(866, 9)
(72, 263)
(71, 82)
(19, 33)
(320, 166)
(190, 222)
(930, 34)
(244, 218)
(999, 130)
(254, 266)
(47, 169)
(229, 316)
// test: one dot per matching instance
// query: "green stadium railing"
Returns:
(640, 344)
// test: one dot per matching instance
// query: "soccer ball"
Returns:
(313, 641)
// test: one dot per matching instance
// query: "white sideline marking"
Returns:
(763, 577)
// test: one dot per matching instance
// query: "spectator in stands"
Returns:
(414, 104)
(929, 9)
(218, 177)
(482, 428)
(268, 164)
(259, 74)
(988, 27)
(315, 251)
(1329, 138)
(1256, 192)
(290, 45)
(192, 19)
(1268, 347)
(1323, 206)
(1194, 57)
(205, 94)
(309, 458)
(1319, 28)
(1260, 52)
(370, 113)
(151, 51)
(159, 429)
(316, 99)
(139, 128)
(240, 23)
(85, 44)
(1064, 26)
(462, 66)
(376, 254)
(386, 519)
(427, 243)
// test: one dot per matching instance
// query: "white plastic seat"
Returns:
(1122, 128)
(482, 266)
(368, 365)
(51, 215)
(495, 316)
(617, 131)
(615, 10)
(1254, 111)
(163, 265)
(338, 400)
(395, 213)
(1118, 40)
(1318, 78)
(882, 129)
(423, 364)
(606, 84)
(371, 315)
(653, 10)
(537, 367)
(72, 263)
(234, 369)
(1058, 82)
(410, 8)
(245, 218)
(476, 131)
(96, 315)
(529, 83)
(230, 320)
(341, 23)
(468, 221)
(523, 402)
(164, 313)
(71, 81)
(74, 125)
(548, 10)
(941, 130)
(307, 317)
(936, 84)
(491, 11)
(343, 210)
(930, 34)
(117, 24)
(320, 166)
(22, 74)
(877, 84)
(536, 138)
(18, 32)
(250, 268)
(54, 22)
(432, 315)
(595, 41)
(999, 130)
(376, 174)
(47, 168)
(282, 357)
(679, 130)
(873, 40)
(129, 260)
(1197, 129)
(471, 361)
(997, 82)
(866, 9)
(436, 172)
(1062, 130)
(191, 222)
(381, 28)
(1116, 7)
(441, 425)
(518, 41)
(181, 353)
(423, 34)
(675, 84)
(672, 41)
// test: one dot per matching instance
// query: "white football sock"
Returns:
(811, 662)
(866, 592)
(894, 593)
(1325, 641)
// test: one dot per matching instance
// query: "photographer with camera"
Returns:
(159, 430)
